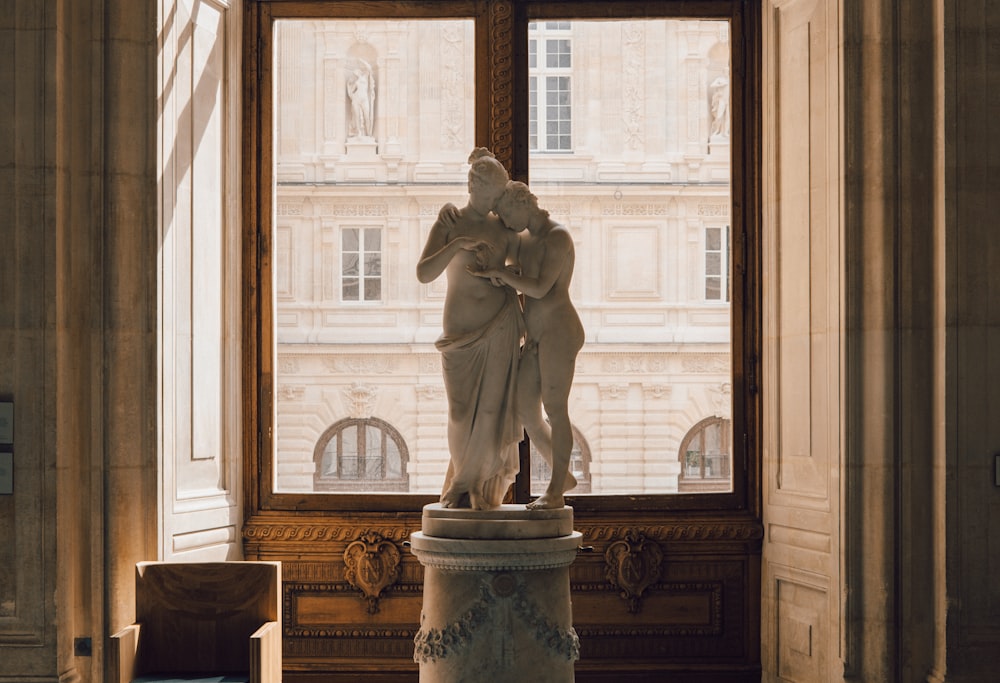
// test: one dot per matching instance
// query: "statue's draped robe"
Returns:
(480, 369)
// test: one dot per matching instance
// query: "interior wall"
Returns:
(77, 345)
(28, 74)
(967, 254)
(78, 354)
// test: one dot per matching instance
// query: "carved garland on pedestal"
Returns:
(498, 598)
(633, 565)
(372, 566)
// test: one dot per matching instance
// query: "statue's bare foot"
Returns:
(454, 498)
(547, 501)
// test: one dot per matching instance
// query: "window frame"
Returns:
(500, 108)
(541, 74)
(361, 277)
(725, 256)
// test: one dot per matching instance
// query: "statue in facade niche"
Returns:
(720, 107)
(555, 335)
(361, 92)
(482, 330)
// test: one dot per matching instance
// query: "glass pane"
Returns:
(374, 122)
(349, 290)
(350, 265)
(642, 116)
(713, 239)
(328, 467)
(349, 453)
(713, 264)
(393, 461)
(713, 289)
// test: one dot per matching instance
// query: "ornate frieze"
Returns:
(353, 210)
(634, 209)
(299, 530)
(683, 531)
(705, 363)
(713, 210)
(361, 365)
(621, 364)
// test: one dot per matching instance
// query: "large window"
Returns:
(630, 129)
(550, 62)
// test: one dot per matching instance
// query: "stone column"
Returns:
(496, 595)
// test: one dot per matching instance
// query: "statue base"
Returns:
(362, 148)
(496, 602)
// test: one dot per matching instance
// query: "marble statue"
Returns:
(546, 257)
(720, 107)
(482, 329)
(361, 91)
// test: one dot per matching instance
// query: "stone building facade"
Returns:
(636, 164)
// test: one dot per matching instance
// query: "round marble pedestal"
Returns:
(496, 595)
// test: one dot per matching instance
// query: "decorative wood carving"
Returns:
(633, 565)
(372, 566)
(684, 531)
(501, 81)
(290, 531)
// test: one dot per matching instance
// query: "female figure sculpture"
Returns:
(479, 344)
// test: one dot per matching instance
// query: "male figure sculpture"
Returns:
(554, 332)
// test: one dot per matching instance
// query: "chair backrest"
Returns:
(198, 617)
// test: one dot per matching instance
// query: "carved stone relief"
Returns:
(501, 598)
(360, 398)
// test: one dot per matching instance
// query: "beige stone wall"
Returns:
(76, 324)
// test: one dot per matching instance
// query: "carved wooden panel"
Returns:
(661, 595)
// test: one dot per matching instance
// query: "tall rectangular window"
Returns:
(717, 263)
(550, 62)
(361, 264)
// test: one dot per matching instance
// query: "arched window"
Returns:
(579, 465)
(706, 457)
(361, 453)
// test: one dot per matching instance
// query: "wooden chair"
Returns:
(202, 621)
